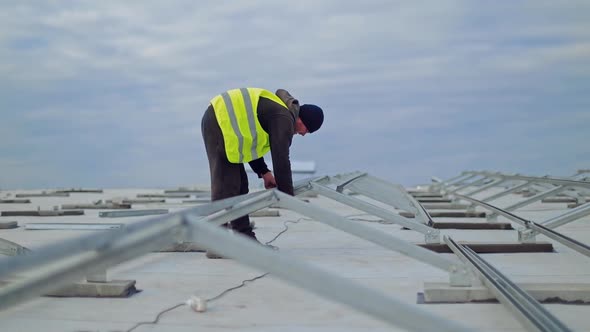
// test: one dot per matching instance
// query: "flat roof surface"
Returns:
(269, 304)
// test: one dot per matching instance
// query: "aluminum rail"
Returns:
(565, 240)
(507, 191)
(544, 183)
(532, 315)
(467, 185)
(458, 273)
(492, 184)
(320, 282)
(457, 181)
(455, 178)
(107, 250)
(568, 217)
(544, 228)
(494, 209)
(438, 187)
(345, 183)
(528, 201)
(302, 186)
(431, 234)
(378, 190)
(58, 265)
(526, 183)
(381, 191)
(93, 241)
(80, 263)
(551, 180)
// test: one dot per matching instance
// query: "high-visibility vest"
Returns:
(237, 115)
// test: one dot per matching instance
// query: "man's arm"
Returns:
(281, 135)
(259, 166)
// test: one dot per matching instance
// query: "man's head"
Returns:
(310, 119)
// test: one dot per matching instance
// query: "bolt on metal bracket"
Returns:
(526, 236)
(432, 236)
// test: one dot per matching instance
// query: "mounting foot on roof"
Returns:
(97, 285)
(436, 292)
(8, 224)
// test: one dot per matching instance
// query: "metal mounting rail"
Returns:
(569, 216)
(370, 234)
(565, 240)
(318, 186)
(499, 179)
(541, 184)
(10, 248)
(537, 197)
(494, 209)
(551, 180)
(58, 264)
(342, 185)
(372, 209)
(386, 196)
(507, 191)
(529, 311)
(457, 180)
(382, 191)
(466, 185)
(458, 275)
(528, 236)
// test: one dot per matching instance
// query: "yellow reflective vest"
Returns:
(237, 115)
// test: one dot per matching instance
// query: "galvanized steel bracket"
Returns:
(527, 235)
(432, 236)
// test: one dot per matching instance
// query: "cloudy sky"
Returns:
(111, 93)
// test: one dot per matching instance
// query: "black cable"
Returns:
(236, 287)
(286, 229)
(157, 319)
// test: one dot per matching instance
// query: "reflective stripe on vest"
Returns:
(237, 115)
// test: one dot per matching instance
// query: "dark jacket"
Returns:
(280, 126)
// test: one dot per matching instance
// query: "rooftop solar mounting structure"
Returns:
(528, 310)
(362, 183)
(59, 264)
(64, 262)
(532, 314)
(573, 188)
(531, 228)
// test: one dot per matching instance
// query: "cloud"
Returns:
(409, 89)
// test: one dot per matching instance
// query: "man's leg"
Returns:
(227, 179)
(242, 224)
(225, 176)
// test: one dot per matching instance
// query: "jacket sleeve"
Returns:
(259, 166)
(281, 135)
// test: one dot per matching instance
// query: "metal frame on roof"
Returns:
(56, 265)
(376, 189)
(531, 314)
(468, 175)
(552, 186)
(545, 228)
(529, 311)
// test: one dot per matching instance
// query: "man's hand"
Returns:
(269, 180)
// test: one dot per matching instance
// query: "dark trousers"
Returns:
(227, 179)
